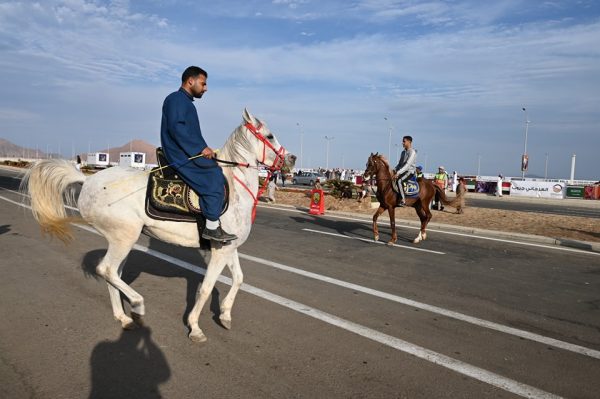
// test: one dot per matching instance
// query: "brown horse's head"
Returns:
(374, 164)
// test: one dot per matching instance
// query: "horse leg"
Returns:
(110, 268)
(214, 269)
(392, 213)
(375, 229)
(237, 278)
(428, 216)
(423, 217)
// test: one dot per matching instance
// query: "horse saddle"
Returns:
(410, 185)
(169, 198)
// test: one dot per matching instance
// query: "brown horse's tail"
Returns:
(455, 203)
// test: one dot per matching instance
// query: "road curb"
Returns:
(507, 235)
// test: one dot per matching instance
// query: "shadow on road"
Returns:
(5, 228)
(138, 263)
(131, 367)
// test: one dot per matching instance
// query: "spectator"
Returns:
(454, 181)
(78, 164)
(271, 188)
(461, 190)
(499, 186)
(440, 180)
(365, 191)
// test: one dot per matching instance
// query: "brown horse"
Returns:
(378, 166)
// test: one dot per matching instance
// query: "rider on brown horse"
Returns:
(406, 166)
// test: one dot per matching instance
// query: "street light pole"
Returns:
(546, 170)
(525, 149)
(327, 159)
(389, 140)
(397, 153)
(478, 164)
(301, 143)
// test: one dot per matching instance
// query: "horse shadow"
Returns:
(138, 263)
(133, 366)
(362, 230)
(5, 228)
(343, 227)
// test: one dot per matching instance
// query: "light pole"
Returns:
(525, 159)
(327, 159)
(389, 140)
(397, 152)
(425, 166)
(301, 143)
(478, 164)
(546, 169)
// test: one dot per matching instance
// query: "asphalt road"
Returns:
(324, 313)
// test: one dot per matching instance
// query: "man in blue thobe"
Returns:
(181, 139)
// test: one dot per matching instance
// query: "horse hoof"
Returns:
(129, 325)
(225, 323)
(390, 243)
(376, 238)
(137, 319)
(197, 336)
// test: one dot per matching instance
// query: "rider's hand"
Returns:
(208, 153)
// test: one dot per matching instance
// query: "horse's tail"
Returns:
(455, 203)
(49, 186)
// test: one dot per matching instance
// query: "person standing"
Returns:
(454, 181)
(271, 188)
(440, 180)
(499, 185)
(181, 139)
(78, 164)
(406, 166)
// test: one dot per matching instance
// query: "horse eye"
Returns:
(270, 136)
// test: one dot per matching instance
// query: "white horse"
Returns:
(112, 201)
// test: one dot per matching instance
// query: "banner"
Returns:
(537, 189)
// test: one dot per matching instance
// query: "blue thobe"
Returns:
(181, 138)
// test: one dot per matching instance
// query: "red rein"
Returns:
(277, 165)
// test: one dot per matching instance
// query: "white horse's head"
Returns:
(264, 144)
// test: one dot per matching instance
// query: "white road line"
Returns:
(409, 302)
(370, 241)
(455, 365)
(364, 221)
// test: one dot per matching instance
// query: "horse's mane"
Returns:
(237, 145)
(382, 159)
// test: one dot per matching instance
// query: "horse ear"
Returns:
(248, 118)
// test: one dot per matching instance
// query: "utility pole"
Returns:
(525, 158)
(301, 143)
(389, 140)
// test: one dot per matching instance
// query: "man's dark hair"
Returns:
(409, 138)
(192, 72)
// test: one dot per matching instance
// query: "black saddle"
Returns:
(169, 198)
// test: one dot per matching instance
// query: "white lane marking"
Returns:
(455, 365)
(430, 308)
(409, 302)
(370, 241)
(368, 222)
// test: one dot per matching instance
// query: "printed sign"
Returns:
(537, 189)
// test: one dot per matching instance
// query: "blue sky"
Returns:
(453, 74)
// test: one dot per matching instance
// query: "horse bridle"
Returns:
(279, 160)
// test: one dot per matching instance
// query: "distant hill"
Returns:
(134, 145)
(11, 150)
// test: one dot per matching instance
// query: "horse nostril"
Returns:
(293, 157)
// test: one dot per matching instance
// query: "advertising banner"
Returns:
(317, 202)
(537, 189)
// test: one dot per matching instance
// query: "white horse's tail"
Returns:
(48, 184)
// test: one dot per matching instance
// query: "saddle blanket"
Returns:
(411, 187)
(171, 199)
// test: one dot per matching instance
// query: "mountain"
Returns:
(11, 150)
(134, 145)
